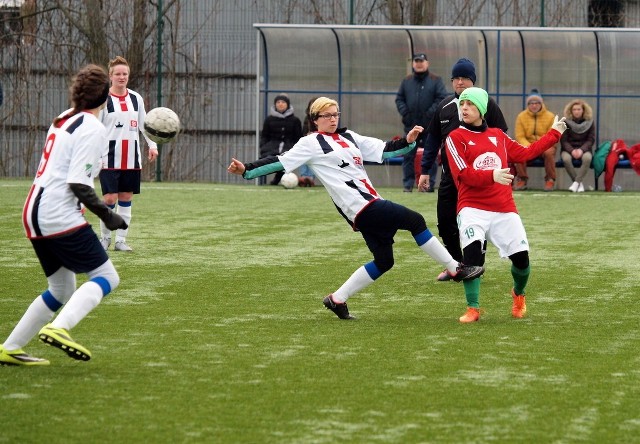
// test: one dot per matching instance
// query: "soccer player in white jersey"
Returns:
(53, 219)
(478, 158)
(337, 156)
(123, 117)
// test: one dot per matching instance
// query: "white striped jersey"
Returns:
(72, 154)
(123, 117)
(338, 161)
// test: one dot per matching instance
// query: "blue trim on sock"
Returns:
(104, 285)
(124, 204)
(51, 302)
(423, 237)
(112, 206)
(373, 271)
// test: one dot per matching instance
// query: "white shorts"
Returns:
(504, 230)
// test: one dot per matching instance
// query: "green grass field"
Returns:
(217, 333)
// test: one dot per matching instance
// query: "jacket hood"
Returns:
(588, 112)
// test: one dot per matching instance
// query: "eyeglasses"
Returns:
(534, 102)
(329, 116)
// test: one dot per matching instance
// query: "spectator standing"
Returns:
(307, 177)
(337, 156)
(416, 101)
(123, 117)
(478, 157)
(445, 120)
(577, 141)
(280, 131)
(531, 124)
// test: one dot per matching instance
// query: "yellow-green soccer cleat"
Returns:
(19, 357)
(60, 338)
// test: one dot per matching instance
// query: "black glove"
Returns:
(114, 221)
(89, 199)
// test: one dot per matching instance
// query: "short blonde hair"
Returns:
(119, 60)
(320, 104)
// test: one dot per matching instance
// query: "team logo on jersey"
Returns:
(487, 161)
(88, 168)
(357, 160)
(493, 140)
(119, 125)
(133, 125)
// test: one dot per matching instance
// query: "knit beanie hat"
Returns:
(282, 97)
(534, 95)
(464, 68)
(478, 97)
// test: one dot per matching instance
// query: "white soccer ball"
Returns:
(161, 125)
(289, 180)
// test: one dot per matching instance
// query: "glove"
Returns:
(114, 221)
(502, 176)
(559, 125)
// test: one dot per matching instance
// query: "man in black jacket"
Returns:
(416, 101)
(445, 120)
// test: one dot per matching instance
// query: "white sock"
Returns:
(83, 300)
(125, 212)
(356, 282)
(437, 251)
(37, 316)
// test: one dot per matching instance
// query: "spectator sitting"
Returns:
(531, 124)
(577, 141)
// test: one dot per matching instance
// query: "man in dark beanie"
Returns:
(445, 120)
(281, 130)
(416, 101)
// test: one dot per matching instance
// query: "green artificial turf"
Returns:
(217, 333)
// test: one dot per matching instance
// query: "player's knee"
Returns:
(385, 264)
(106, 277)
(520, 259)
(472, 254)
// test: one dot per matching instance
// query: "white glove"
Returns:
(559, 125)
(502, 176)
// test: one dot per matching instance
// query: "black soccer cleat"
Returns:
(467, 272)
(341, 310)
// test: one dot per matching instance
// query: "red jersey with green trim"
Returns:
(475, 152)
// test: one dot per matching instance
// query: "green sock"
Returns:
(520, 278)
(472, 292)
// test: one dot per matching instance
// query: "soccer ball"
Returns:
(289, 180)
(161, 125)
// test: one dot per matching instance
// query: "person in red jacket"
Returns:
(478, 157)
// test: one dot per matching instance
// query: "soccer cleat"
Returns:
(444, 276)
(580, 188)
(467, 272)
(519, 307)
(19, 357)
(105, 242)
(341, 310)
(471, 315)
(574, 187)
(122, 246)
(549, 185)
(521, 185)
(60, 338)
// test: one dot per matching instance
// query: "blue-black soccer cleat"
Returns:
(341, 310)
